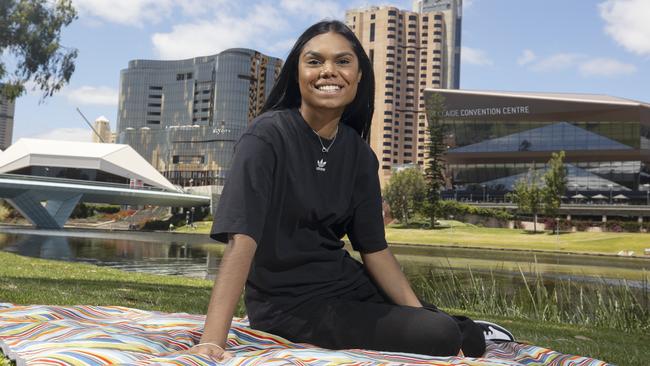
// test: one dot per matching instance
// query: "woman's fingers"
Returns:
(205, 350)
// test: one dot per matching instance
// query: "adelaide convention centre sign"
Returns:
(490, 111)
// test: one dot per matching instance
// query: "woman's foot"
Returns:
(494, 332)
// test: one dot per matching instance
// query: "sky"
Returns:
(576, 46)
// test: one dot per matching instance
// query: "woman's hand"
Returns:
(211, 350)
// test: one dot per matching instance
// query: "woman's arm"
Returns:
(228, 286)
(386, 273)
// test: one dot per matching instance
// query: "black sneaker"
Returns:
(494, 332)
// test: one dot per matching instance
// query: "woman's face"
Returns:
(328, 73)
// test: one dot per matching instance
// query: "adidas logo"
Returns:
(321, 165)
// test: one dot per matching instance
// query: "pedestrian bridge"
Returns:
(47, 202)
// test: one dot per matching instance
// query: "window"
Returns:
(158, 105)
(153, 122)
(155, 96)
(180, 76)
(437, 17)
(412, 17)
(372, 32)
(207, 91)
(155, 87)
(149, 113)
(371, 55)
(392, 13)
(189, 75)
(425, 19)
(372, 16)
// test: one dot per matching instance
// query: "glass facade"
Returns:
(7, 108)
(495, 139)
(185, 116)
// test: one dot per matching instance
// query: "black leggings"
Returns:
(375, 324)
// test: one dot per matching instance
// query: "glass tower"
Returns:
(185, 116)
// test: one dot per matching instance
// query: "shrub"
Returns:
(107, 209)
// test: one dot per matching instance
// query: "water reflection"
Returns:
(199, 256)
(159, 257)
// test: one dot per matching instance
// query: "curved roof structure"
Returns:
(117, 159)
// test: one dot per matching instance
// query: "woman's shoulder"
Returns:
(269, 125)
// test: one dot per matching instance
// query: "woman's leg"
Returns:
(343, 324)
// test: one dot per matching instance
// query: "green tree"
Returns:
(30, 32)
(404, 192)
(528, 194)
(435, 165)
(555, 182)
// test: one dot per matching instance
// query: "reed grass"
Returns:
(599, 304)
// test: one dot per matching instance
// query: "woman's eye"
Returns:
(344, 61)
(313, 62)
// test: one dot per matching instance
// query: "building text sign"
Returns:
(490, 111)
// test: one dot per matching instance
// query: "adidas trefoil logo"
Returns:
(321, 165)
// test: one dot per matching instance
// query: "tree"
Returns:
(30, 32)
(528, 194)
(435, 164)
(555, 181)
(403, 193)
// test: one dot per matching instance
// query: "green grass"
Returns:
(36, 281)
(471, 236)
(581, 242)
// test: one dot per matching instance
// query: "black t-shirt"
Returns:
(297, 202)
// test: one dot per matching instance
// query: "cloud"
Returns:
(209, 37)
(474, 56)
(90, 95)
(317, 9)
(66, 134)
(556, 62)
(127, 12)
(526, 57)
(605, 67)
(627, 23)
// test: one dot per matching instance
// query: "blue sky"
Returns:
(581, 46)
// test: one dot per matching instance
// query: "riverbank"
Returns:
(36, 281)
(458, 234)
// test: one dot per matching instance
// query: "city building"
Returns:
(496, 138)
(185, 116)
(409, 51)
(452, 12)
(102, 131)
(7, 108)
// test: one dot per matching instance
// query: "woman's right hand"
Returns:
(211, 350)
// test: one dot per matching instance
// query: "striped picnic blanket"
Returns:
(114, 335)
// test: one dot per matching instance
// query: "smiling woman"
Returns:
(303, 176)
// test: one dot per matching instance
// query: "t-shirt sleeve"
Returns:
(246, 194)
(366, 230)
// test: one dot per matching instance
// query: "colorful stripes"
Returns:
(113, 335)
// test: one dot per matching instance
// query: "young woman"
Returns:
(302, 177)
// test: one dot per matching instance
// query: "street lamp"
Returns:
(610, 193)
(192, 220)
(484, 191)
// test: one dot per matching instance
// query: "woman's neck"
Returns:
(325, 123)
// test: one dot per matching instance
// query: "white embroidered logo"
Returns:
(321, 165)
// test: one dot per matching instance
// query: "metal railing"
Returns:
(36, 178)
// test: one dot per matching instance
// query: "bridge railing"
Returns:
(36, 178)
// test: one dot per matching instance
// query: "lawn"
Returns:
(466, 235)
(455, 233)
(36, 281)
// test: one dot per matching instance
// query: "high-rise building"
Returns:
(102, 131)
(185, 116)
(7, 108)
(409, 52)
(452, 12)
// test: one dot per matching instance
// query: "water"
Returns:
(198, 256)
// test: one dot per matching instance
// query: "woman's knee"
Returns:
(435, 334)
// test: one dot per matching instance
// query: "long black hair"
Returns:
(286, 92)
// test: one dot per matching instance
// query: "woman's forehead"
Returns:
(328, 43)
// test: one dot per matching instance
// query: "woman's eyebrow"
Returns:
(319, 55)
